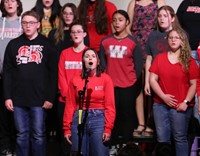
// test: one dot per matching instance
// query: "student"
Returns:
(70, 64)
(157, 43)
(61, 36)
(121, 57)
(98, 108)
(89, 12)
(142, 15)
(30, 82)
(172, 108)
(189, 18)
(49, 11)
(10, 28)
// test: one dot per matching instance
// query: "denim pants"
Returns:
(93, 127)
(169, 121)
(31, 135)
(195, 109)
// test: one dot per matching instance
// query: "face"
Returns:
(68, 16)
(174, 41)
(90, 59)
(11, 6)
(30, 25)
(119, 23)
(165, 20)
(77, 34)
(47, 3)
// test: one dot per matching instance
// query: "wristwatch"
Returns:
(186, 102)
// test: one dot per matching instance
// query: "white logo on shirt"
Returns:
(73, 65)
(117, 51)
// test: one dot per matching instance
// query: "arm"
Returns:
(147, 75)
(62, 79)
(167, 98)
(70, 107)
(8, 68)
(52, 67)
(102, 57)
(190, 94)
(130, 11)
(109, 108)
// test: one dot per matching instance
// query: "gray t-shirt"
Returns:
(157, 43)
(8, 30)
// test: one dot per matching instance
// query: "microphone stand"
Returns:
(81, 94)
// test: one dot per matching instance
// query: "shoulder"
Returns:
(107, 37)
(106, 77)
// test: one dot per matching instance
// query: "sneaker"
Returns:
(6, 152)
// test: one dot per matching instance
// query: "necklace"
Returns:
(46, 17)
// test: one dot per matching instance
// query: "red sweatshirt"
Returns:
(70, 64)
(100, 91)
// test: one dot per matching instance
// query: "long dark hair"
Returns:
(59, 34)
(98, 68)
(55, 10)
(4, 12)
(100, 15)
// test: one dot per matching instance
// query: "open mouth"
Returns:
(90, 63)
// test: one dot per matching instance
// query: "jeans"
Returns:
(195, 109)
(169, 121)
(30, 126)
(93, 129)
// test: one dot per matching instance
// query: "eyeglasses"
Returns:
(31, 23)
(76, 32)
(68, 14)
(173, 38)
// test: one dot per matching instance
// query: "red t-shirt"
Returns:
(70, 64)
(100, 91)
(94, 37)
(172, 79)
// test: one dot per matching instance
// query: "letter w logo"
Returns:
(117, 51)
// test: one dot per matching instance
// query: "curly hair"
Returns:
(185, 50)
(59, 33)
(4, 12)
(100, 15)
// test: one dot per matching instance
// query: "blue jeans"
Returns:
(30, 126)
(92, 144)
(169, 121)
(195, 109)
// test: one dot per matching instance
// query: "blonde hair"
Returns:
(185, 50)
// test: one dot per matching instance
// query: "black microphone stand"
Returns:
(81, 94)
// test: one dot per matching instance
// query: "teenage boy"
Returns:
(30, 83)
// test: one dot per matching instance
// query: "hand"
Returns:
(67, 137)
(147, 89)
(106, 137)
(9, 105)
(47, 105)
(182, 107)
(170, 100)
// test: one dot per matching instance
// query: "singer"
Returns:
(98, 108)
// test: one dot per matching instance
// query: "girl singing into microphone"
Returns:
(98, 108)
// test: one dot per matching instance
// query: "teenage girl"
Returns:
(121, 57)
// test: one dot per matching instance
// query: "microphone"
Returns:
(88, 70)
